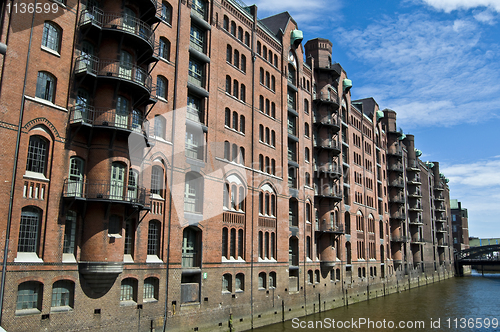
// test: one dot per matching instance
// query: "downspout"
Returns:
(174, 106)
(14, 169)
(252, 161)
(2, 20)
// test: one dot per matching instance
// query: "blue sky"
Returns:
(437, 64)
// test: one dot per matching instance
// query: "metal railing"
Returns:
(112, 190)
(114, 68)
(106, 117)
(327, 143)
(399, 238)
(196, 79)
(398, 215)
(329, 228)
(118, 21)
(328, 97)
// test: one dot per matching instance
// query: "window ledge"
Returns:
(233, 260)
(51, 51)
(27, 257)
(117, 236)
(24, 312)
(46, 103)
(162, 99)
(127, 258)
(65, 308)
(35, 176)
(127, 303)
(153, 259)
(266, 260)
(157, 197)
(68, 258)
(149, 300)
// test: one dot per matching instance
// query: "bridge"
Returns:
(479, 256)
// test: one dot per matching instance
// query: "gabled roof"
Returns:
(277, 22)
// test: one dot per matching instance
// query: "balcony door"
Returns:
(86, 55)
(125, 65)
(129, 19)
(81, 106)
(75, 184)
(121, 117)
(117, 181)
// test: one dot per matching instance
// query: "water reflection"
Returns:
(473, 296)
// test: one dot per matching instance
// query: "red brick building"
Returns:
(185, 165)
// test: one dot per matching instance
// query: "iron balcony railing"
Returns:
(325, 120)
(107, 117)
(413, 165)
(397, 183)
(327, 143)
(399, 238)
(417, 240)
(328, 168)
(397, 199)
(105, 190)
(118, 21)
(398, 215)
(396, 167)
(398, 152)
(331, 192)
(328, 97)
(327, 227)
(114, 68)
(415, 193)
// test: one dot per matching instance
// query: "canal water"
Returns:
(470, 303)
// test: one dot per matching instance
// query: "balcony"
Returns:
(141, 32)
(398, 199)
(441, 229)
(197, 47)
(442, 244)
(330, 99)
(327, 120)
(398, 215)
(415, 208)
(413, 166)
(439, 198)
(400, 239)
(396, 168)
(440, 208)
(395, 152)
(327, 227)
(417, 240)
(328, 144)
(414, 181)
(416, 220)
(134, 76)
(438, 186)
(103, 191)
(398, 183)
(106, 118)
(330, 193)
(197, 82)
(414, 193)
(329, 168)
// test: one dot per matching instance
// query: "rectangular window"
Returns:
(69, 233)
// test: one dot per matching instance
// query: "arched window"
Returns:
(227, 283)
(261, 72)
(166, 12)
(228, 84)
(233, 28)
(259, 47)
(242, 123)
(229, 54)
(293, 212)
(308, 212)
(227, 152)
(193, 194)
(306, 154)
(128, 290)
(45, 86)
(242, 155)
(29, 295)
(306, 106)
(225, 23)
(29, 230)
(236, 59)
(273, 138)
(240, 33)
(225, 237)
(159, 126)
(243, 93)
(273, 110)
(51, 36)
(63, 293)
(36, 160)
(161, 87)
(154, 233)
(243, 63)
(75, 180)
(239, 282)
(273, 83)
(164, 49)
(262, 280)
(247, 38)
(236, 89)
(157, 181)
(227, 121)
(235, 121)
(264, 52)
(268, 79)
(306, 129)
(150, 292)
(272, 279)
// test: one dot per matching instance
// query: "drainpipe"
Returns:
(14, 170)
(174, 106)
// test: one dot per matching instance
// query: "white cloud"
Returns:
(450, 5)
(430, 72)
(314, 15)
(477, 186)
(485, 16)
